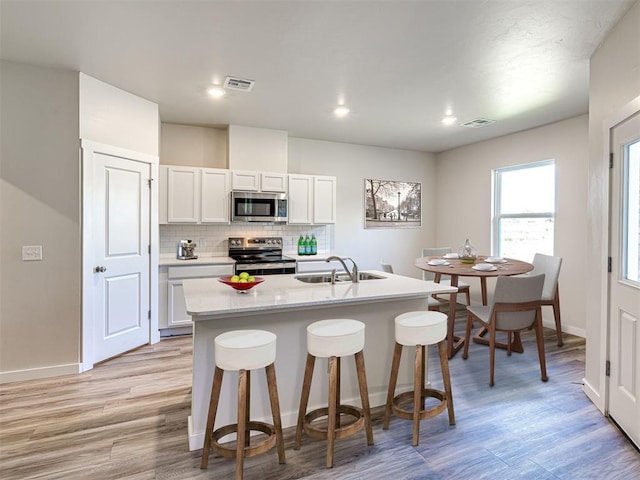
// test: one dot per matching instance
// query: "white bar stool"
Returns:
(334, 339)
(243, 351)
(419, 329)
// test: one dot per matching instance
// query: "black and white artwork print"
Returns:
(392, 204)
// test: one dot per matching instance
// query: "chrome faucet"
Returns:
(353, 275)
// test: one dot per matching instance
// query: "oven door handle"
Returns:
(264, 266)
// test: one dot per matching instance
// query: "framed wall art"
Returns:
(392, 204)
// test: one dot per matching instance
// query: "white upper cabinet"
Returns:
(193, 195)
(183, 195)
(300, 199)
(312, 199)
(273, 182)
(324, 199)
(215, 195)
(245, 181)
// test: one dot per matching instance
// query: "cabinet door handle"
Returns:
(100, 269)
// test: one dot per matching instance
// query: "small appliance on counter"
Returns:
(185, 250)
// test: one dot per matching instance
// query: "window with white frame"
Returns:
(524, 199)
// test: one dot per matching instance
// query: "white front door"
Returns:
(624, 280)
(120, 211)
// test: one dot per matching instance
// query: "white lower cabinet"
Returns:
(173, 318)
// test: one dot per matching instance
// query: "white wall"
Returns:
(464, 194)
(114, 117)
(614, 82)
(39, 205)
(351, 164)
(193, 146)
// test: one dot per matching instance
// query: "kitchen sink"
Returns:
(340, 277)
(323, 278)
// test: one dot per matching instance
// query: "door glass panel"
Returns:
(631, 215)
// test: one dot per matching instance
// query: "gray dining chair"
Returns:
(445, 279)
(432, 303)
(516, 306)
(550, 266)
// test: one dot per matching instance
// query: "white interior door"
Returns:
(120, 217)
(624, 280)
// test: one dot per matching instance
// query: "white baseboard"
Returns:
(38, 373)
(578, 332)
(593, 395)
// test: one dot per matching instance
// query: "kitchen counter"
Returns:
(286, 306)
(172, 261)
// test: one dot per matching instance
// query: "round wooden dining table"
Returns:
(455, 268)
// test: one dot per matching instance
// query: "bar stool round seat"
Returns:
(419, 329)
(243, 351)
(333, 339)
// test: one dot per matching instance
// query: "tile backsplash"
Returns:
(212, 239)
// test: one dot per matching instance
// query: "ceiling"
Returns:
(400, 66)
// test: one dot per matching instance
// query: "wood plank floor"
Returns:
(127, 419)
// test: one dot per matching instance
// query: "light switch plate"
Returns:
(31, 252)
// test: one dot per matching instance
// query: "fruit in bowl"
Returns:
(242, 282)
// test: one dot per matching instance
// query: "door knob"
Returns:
(100, 269)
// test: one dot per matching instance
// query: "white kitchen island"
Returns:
(285, 306)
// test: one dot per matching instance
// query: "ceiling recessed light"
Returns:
(341, 111)
(449, 120)
(216, 91)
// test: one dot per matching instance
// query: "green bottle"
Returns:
(301, 249)
(314, 245)
(307, 245)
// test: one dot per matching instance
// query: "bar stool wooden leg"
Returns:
(213, 409)
(242, 423)
(247, 430)
(338, 382)
(364, 395)
(423, 369)
(417, 394)
(331, 416)
(304, 399)
(275, 410)
(393, 379)
(446, 380)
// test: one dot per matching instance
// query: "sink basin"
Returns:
(323, 278)
(341, 277)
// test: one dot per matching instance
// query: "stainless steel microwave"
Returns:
(259, 207)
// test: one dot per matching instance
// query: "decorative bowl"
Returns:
(241, 287)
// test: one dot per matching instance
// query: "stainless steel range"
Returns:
(260, 256)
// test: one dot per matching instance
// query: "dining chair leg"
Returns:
(467, 336)
(393, 379)
(556, 315)
(304, 399)
(540, 342)
(446, 380)
(492, 350)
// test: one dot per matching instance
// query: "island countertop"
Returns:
(207, 298)
(286, 306)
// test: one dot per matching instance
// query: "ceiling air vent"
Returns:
(478, 122)
(241, 84)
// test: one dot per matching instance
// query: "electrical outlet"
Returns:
(31, 252)
(203, 242)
